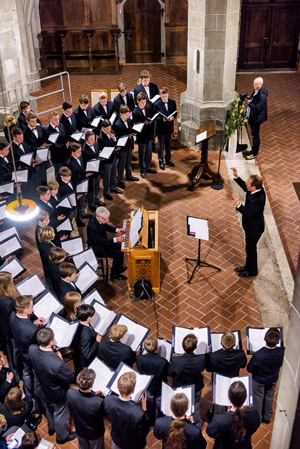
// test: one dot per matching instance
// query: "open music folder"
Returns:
(32, 285)
(202, 334)
(72, 199)
(26, 158)
(10, 246)
(77, 136)
(83, 186)
(94, 294)
(13, 266)
(164, 349)
(45, 304)
(136, 332)
(73, 246)
(7, 187)
(255, 338)
(53, 137)
(138, 127)
(86, 277)
(64, 206)
(93, 165)
(66, 225)
(168, 392)
(216, 340)
(20, 176)
(2, 210)
(42, 154)
(103, 318)
(9, 233)
(142, 381)
(96, 121)
(86, 256)
(103, 376)
(107, 152)
(63, 330)
(221, 385)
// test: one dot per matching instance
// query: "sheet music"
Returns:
(202, 334)
(122, 141)
(168, 116)
(8, 187)
(73, 246)
(13, 266)
(113, 118)
(96, 121)
(138, 127)
(45, 304)
(142, 381)
(221, 385)
(103, 317)
(85, 278)
(26, 158)
(63, 330)
(155, 98)
(198, 227)
(72, 199)
(32, 285)
(107, 152)
(103, 376)
(18, 435)
(136, 224)
(201, 136)
(168, 392)
(42, 154)
(77, 136)
(65, 202)
(94, 294)
(86, 256)
(93, 165)
(83, 186)
(164, 349)
(255, 338)
(66, 225)
(2, 210)
(50, 172)
(20, 176)
(216, 340)
(8, 232)
(53, 137)
(154, 116)
(136, 332)
(9, 246)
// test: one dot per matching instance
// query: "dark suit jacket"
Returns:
(84, 346)
(99, 110)
(44, 249)
(253, 210)
(58, 150)
(64, 188)
(78, 172)
(118, 101)
(97, 237)
(138, 117)
(5, 170)
(7, 306)
(53, 273)
(88, 153)
(24, 333)
(53, 374)
(164, 127)
(18, 152)
(265, 365)
(155, 365)
(21, 122)
(51, 211)
(129, 423)
(220, 429)
(192, 433)
(140, 88)
(121, 130)
(114, 352)
(87, 410)
(226, 363)
(62, 287)
(31, 140)
(66, 129)
(187, 369)
(82, 120)
(105, 141)
(258, 107)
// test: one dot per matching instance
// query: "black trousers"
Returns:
(124, 164)
(251, 251)
(113, 252)
(164, 143)
(255, 128)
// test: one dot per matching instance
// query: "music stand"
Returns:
(198, 228)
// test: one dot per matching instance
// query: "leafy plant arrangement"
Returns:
(235, 115)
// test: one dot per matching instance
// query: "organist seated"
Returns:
(107, 247)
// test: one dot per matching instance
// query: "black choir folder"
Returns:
(13, 266)
(255, 338)
(86, 277)
(103, 318)
(164, 349)
(202, 334)
(221, 386)
(216, 340)
(64, 331)
(32, 285)
(10, 245)
(168, 392)
(142, 381)
(103, 376)
(45, 304)
(136, 332)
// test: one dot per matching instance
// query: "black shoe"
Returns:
(70, 437)
(121, 184)
(240, 269)
(123, 269)
(119, 277)
(35, 421)
(170, 164)
(247, 274)
(116, 190)
(80, 223)
(92, 208)
(99, 202)
(143, 175)
(108, 197)
(150, 170)
(86, 216)
(162, 166)
(154, 149)
(132, 178)
(51, 432)
(134, 158)
(247, 153)
(250, 157)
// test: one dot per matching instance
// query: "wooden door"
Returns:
(142, 30)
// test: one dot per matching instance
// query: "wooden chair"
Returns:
(103, 268)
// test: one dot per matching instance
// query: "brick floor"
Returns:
(219, 299)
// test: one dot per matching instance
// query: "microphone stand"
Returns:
(219, 185)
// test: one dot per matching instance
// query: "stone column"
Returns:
(211, 70)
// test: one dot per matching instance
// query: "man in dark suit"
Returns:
(67, 122)
(68, 272)
(84, 115)
(123, 98)
(129, 421)
(43, 201)
(107, 247)
(104, 107)
(252, 219)
(165, 126)
(87, 410)
(5, 166)
(113, 352)
(148, 88)
(43, 220)
(144, 138)
(66, 187)
(58, 150)
(123, 127)
(21, 122)
(54, 377)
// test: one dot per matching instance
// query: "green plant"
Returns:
(235, 115)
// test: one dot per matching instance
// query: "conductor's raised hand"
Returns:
(234, 172)
(144, 402)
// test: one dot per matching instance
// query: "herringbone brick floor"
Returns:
(221, 300)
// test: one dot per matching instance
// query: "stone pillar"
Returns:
(211, 70)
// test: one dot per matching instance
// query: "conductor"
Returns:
(252, 219)
(107, 247)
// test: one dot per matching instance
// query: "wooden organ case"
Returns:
(144, 255)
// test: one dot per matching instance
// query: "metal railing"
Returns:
(10, 104)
